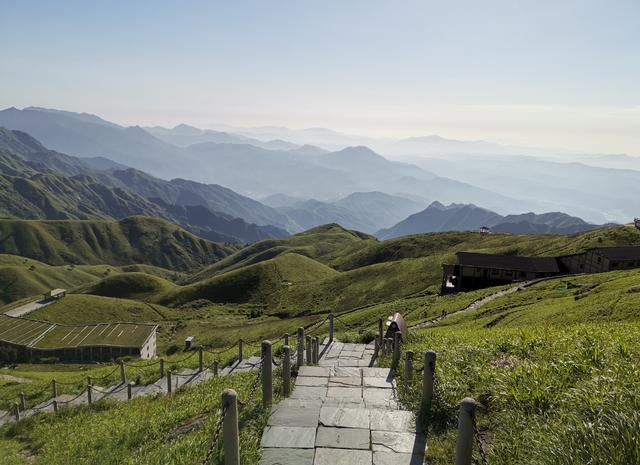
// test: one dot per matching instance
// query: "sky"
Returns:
(560, 74)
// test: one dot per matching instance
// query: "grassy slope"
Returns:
(24, 277)
(557, 376)
(134, 240)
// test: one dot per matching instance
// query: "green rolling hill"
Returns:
(135, 240)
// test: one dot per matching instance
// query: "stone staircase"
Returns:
(344, 411)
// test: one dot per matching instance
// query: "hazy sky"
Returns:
(556, 73)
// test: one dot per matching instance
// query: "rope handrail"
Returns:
(133, 365)
(182, 359)
(107, 375)
(71, 400)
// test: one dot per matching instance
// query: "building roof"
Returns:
(631, 252)
(509, 262)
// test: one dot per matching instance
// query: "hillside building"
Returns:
(32, 340)
(54, 294)
(477, 271)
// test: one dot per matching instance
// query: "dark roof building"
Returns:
(479, 270)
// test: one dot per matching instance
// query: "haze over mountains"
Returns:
(307, 178)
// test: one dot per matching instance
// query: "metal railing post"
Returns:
(286, 371)
(464, 445)
(428, 376)
(267, 374)
(330, 328)
(240, 349)
(200, 359)
(230, 432)
(300, 351)
(408, 366)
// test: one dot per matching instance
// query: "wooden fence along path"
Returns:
(342, 410)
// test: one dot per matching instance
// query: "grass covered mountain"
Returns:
(332, 268)
(362, 211)
(467, 217)
(40, 183)
(134, 240)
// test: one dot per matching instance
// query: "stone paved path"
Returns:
(342, 412)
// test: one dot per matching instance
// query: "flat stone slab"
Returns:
(395, 458)
(391, 441)
(339, 381)
(312, 381)
(327, 456)
(347, 372)
(288, 437)
(376, 394)
(343, 438)
(399, 420)
(377, 372)
(315, 371)
(284, 456)
(345, 392)
(309, 392)
(344, 417)
(295, 416)
(378, 382)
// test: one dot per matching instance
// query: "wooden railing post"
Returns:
(215, 368)
(123, 375)
(129, 386)
(23, 402)
(286, 339)
(240, 349)
(55, 406)
(161, 368)
(286, 371)
(428, 377)
(267, 374)
(200, 359)
(169, 386)
(230, 432)
(380, 332)
(16, 411)
(300, 353)
(314, 350)
(376, 347)
(89, 396)
(54, 388)
(307, 341)
(397, 348)
(330, 328)
(408, 366)
(464, 445)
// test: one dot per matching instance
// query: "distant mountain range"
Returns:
(467, 217)
(362, 211)
(38, 183)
